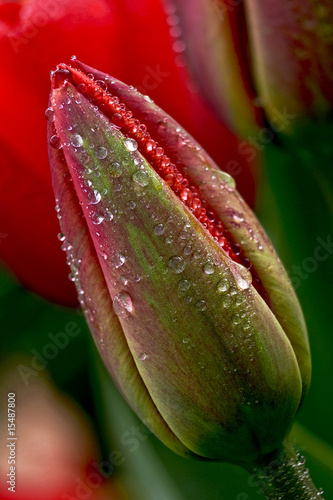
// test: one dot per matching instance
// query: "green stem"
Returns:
(282, 475)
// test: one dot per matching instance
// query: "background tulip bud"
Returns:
(271, 55)
(188, 303)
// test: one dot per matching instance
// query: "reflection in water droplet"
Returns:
(94, 197)
(61, 237)
(243, 277)
(230, 181)
(118, 260)
(101, 153)
(131, 144)
(177, 264)
(184, 285)
(159, 229)
(122, 304)
(76, 140)
(209, 268)
(201, 305)
(141, 178)
(55, 142)
(142, 356)
(97, 218)
(223, 285)
(49, 114)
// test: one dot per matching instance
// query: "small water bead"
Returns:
(97, 218)
(131, 205)
(177, 264)
(94, 197)
(188, 299)
(118, 260)
(243, 277)
(186, 340)
(76, 140)
(141, 178)
(223, 285)
(104, 255)
(184, 285)
(115, 169)
(201, 305)
(101, 153)
(131, 144)
(49, 114)
(229, 181)
(142, 356)
(209, 268)
(159, 229)
(55, 142)
(236, 319)
(61, 237)
(124, 280)
(187, 250)
(122, 304)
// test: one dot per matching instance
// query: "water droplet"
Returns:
(184, 285)
(209, 268)
(61, 237)
(49, 114)
(97, 218)
(115, 169)
(101, 153)
(147, 98)
(159, 229)
(142, 356)
(131, 144)
(201, 305)
(55, 142)
(223, 285)
(122, 304)
(186, 340)
(230, 181)
(104, 255)
(94, 197)
(131, 205)
(141, 178)
(243, 277)
(76, 140)
(177, 264)
(124, 279)
(236, 319)
(118, 260)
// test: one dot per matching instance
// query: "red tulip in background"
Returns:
(126, 38)
(56, 452)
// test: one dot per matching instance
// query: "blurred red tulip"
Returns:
(126, 38)
(54, 454)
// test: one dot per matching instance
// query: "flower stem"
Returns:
(282, 475)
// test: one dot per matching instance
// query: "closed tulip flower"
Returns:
(189, 305)
(260, 62)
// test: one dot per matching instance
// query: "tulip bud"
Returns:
(271, 55)
(189, 305)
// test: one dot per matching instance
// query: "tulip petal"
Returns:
(167, 279)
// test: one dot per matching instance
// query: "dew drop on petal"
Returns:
(55, 142)
(141, 178)
(97, 218)
(122, 304)
(101, 153)
(223, 285)
(131, 144)
(94, 197)
(118, 260)
(177, 264)
(76, 140)
(230, 181)
(159, 229)
(61, 237)
(49, 114)
(209, 268)
(184, 285)
(142, 356)
(201, 305)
